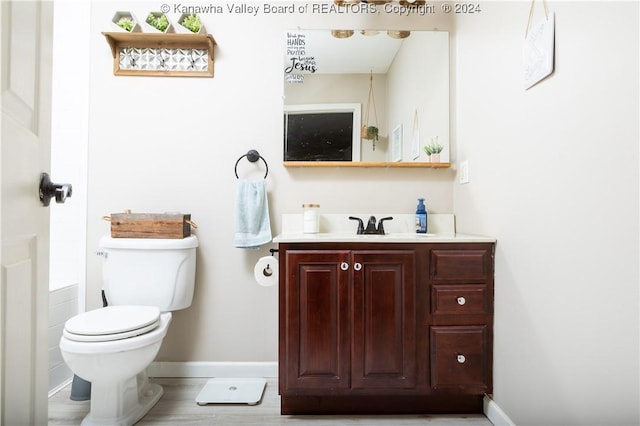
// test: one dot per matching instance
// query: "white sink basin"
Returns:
(341, 236)
(392, 236)
(407, 235)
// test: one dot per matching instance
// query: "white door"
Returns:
(26, 34)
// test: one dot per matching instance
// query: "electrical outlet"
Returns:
(463, 173)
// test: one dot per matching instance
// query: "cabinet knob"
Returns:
(461, 359)
(357, 266)
(344, 266)
(461, 300)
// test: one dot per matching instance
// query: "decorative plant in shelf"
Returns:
(126, 24)
(433, 150)
(159, 21)
(125, 21)
(191, 22)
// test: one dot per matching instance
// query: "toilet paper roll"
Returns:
(266, 271)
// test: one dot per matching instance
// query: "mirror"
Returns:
(400, 80)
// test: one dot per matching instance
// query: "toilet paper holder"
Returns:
(268, 271)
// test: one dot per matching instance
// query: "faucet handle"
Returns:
(381, 226)
(360, 224)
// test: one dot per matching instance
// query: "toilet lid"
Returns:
(112, 323)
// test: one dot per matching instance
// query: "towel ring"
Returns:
(252, 156)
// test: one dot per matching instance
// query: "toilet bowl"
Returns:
(111, 348)
(144, 281)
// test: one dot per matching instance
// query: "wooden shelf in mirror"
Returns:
(191, 42)
(378, 164)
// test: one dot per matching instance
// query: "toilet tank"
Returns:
(147, 271)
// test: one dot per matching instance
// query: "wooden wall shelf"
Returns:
(196, 52)
(379, 164)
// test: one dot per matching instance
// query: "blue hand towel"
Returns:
(252, 214)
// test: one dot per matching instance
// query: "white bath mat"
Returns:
(225, 390)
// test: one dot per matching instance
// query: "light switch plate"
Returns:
(463, 173)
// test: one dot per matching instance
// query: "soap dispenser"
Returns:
(421, 217)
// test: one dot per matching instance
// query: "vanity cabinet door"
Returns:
(350, 319)
(316, 340)
(384, 323)
(459, 358)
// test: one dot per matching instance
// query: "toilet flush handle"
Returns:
(102, 253)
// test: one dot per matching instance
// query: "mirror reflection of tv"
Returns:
(322, 132)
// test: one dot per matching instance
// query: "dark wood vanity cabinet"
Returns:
(385, 327)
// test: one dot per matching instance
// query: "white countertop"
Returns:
(341, 237)
(337, 228)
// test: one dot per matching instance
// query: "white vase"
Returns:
(434, 158)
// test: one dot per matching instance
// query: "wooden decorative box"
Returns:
(150, 225)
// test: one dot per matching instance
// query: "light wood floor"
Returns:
(178, 407)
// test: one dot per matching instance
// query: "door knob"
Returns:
(49, 190)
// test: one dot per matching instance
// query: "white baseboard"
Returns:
(213, 369)
(59, 387)
(495, 414)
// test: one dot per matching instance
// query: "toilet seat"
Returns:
(112, 323)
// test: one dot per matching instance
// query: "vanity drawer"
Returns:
(468, 266)
(459, 357)
(447, 299)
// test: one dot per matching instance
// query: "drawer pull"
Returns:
(344, 266)
(461, 301)
(357, 266)
(461, 359)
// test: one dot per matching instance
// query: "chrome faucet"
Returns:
(371, 226)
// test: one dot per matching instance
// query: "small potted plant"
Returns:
(191, 24)
(158, 22)
(433, 150)
(370, 133)
(125, 21)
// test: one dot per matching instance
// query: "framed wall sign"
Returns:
(538, 52)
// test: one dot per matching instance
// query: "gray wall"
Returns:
(554, 176)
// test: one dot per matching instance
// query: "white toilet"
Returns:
(111, 347)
